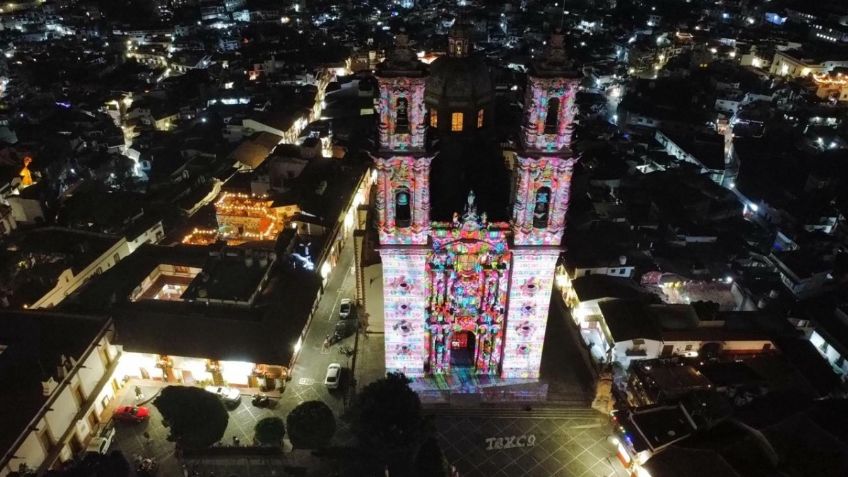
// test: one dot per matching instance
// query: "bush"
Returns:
(311, 425)
(269, 431)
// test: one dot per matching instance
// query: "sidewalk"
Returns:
(370, 359)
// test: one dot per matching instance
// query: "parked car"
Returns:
(102, 441)
(230, 396)
(131, 413)
(334, 373)
(345, 309)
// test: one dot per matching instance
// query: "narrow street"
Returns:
(307, 381)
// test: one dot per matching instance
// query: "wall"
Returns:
(405, 285)
(529, 300)
(624, 271)
(68, 283)
(26, 210)
(652, 350)
(152, 235)
(373, 284)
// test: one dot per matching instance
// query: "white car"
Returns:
(101, 442)
(334, 372)
(230, 396)
(345, 308)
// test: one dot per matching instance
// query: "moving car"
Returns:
(334, 372)
(101, 442)
(345, 309)
(131, 413)
(230, 396)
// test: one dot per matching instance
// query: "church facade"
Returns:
(465, 291)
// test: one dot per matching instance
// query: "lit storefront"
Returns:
(196, 371)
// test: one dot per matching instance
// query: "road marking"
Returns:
(306, 381)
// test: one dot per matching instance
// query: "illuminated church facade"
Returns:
(471, 288)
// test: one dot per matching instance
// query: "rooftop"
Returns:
(34, 344)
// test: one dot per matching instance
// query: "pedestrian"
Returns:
(138, 393)
(235, 441)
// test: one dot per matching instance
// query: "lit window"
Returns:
(456, 122)
(480, 119)
(434, 119)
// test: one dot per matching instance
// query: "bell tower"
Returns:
(542, 189)
(403, 168)
(403, 205)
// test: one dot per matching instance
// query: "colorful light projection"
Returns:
(402, 114)
(529, 299)
(541, 199)
(403, 186)
(405, 292)
(540, 91)
(469, 271)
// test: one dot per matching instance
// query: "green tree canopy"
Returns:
(270, 431)
(430, 461)
(196, 418)
(386, 415)
(311, 425)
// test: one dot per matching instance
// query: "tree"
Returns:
(386, 418)
(269, 431)
(311, 425)
(196, 418)
(430, 461)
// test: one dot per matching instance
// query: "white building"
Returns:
(56, 371)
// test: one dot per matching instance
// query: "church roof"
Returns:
(461, 82)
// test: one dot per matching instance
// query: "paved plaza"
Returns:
(562, 443)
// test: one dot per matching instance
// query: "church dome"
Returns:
(459, 82)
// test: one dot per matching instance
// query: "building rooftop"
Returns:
(33, 344)
(230, 275)
(263, 331)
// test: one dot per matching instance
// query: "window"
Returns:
(542, 208)
(456, 122)
(434, 118)
(479, 119)
(688, 347)
(403, 212)
(552, 116)
(402, 116)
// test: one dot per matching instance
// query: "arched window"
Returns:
(456, 122)
(403, 212)
(542, 207)
(402, 116)
(480, 118)
(552, 117)
(434, 118)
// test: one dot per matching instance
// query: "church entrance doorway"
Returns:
(462, 349)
